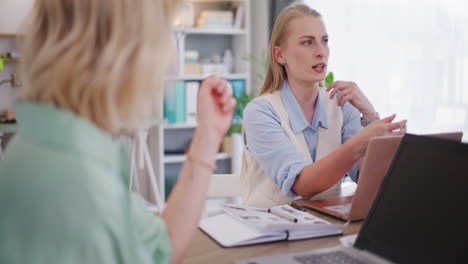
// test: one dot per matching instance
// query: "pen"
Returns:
(296, 206)
(277, 211)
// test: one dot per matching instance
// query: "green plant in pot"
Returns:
(236, 126)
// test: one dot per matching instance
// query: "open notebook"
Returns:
(240, 225)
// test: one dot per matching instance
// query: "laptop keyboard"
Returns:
(335, 257)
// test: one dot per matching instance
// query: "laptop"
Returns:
(417, 215)
(375, 163)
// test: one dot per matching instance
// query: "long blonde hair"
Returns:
(276, 74)
(103, 60)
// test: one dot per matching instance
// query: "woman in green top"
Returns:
(93, 69)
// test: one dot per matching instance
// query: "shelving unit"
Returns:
(202, 77)
(181, 158)
(166, 137)
(9, 35)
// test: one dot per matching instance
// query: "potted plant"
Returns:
(232, 142)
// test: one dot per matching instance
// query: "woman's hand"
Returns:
(383, 127)
(215, 108)
(350, 92)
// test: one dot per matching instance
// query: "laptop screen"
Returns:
(417, 216)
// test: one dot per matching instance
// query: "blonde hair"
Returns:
(103, 60)
(276, 74)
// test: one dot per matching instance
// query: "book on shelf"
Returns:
(170, 102)
(239, 17)
(191, 96)
(241, 225)
(180, 102)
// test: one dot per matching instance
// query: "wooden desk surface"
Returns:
(205, 250)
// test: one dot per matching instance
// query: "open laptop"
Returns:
(417, 216)
(375, 163)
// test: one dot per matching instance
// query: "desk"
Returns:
(206, 250)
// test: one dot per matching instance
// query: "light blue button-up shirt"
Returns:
(270, 145)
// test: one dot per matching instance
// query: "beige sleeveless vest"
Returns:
(259, 189)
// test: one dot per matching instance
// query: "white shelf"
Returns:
(215, 1)
(202, 77)
(180, 126)
(212, 31)
(182, 158)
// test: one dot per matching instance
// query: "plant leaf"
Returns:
(329, 79)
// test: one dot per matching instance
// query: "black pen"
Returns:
(296, 206)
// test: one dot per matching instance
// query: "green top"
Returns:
(64, 196)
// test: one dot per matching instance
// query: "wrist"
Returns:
(370, 115)
(355, 147)
(205, 143)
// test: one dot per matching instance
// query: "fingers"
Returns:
(229, 105)
(340, 86)
(225, 93)
(401, 126)
(221, 91)
(388, 119)
(344, 97)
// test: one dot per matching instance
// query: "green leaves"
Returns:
(329, 79)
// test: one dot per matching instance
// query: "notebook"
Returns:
(417, 214)
(375, 163)
(241, 225)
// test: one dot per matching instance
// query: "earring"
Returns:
(282, 63)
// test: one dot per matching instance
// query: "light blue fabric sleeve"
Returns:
(268, 142)
(351, 126)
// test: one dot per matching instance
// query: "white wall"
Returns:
(409, 57)
(12, 13)
(260, 35)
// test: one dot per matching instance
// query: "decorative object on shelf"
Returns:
(191, 63)
(186, 16)
(228, 61)
(215, 19)
(239, 18)
(13, 81)
(12, 56)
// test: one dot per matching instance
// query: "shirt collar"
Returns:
(296, 117)
(63, 130)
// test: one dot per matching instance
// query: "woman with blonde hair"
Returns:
(302, 138)
(91, 70)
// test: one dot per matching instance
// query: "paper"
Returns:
(261, 219)
(348, 241)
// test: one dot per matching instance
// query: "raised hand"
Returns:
(384, 127)
(215, 107)
(350, 92)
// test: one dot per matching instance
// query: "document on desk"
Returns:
(240, 225)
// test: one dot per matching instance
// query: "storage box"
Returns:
(192, 69)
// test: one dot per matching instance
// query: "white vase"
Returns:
(236, 154)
